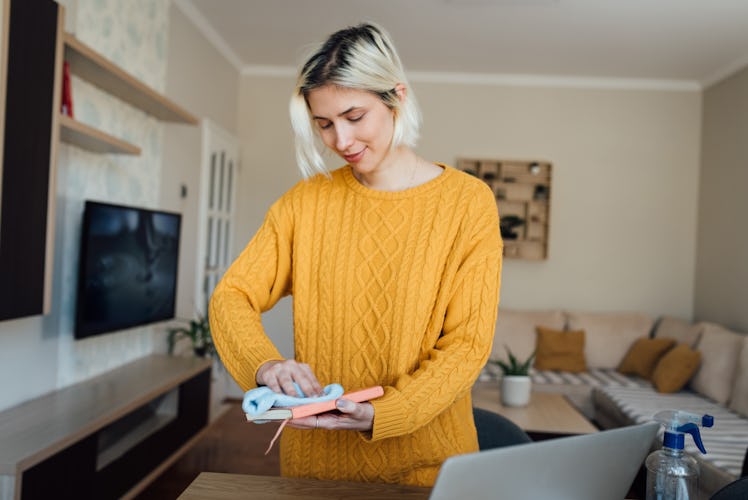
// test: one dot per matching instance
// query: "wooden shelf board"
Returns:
(134, 437)
(93, 67)
(86, 137)
(37, 429)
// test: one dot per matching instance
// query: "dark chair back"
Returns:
(495, 431)
(736, 490)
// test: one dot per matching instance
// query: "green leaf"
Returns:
(514, 366)
(197, 330)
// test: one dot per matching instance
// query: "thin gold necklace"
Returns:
(409, 185)
(411, 182)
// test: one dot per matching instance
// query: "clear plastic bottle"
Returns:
(671, 473)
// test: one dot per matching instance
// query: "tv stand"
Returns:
(106, 437)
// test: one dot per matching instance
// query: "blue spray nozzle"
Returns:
(693, 430)
(677, 423)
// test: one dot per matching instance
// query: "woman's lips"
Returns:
(354, 158)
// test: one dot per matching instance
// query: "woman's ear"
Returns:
(401, 91)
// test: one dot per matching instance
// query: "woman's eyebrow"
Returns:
(352, 108)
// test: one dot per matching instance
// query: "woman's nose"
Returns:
(344, 138)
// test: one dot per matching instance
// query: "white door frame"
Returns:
(219, 170)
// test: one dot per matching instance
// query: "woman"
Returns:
(394, 264)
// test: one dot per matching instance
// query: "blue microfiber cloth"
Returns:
(261, 399)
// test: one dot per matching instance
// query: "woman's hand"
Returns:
(351, 416)
(279, 376)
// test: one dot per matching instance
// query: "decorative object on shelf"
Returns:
(522, 189)
(516, 383)
(541, 192)
(507, 226)
(198, 331)
(67, 92)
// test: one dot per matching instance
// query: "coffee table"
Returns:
(547, 415)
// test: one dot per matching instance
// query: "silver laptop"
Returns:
(596, 466)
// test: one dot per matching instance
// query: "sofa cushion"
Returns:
(739, 399)
(560, 350)
(643, 355)
(516, 329)
(676, 368)
(720, 349)
(609, 335)
(682, 331)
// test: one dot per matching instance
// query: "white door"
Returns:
(218, 179)
(216, 214)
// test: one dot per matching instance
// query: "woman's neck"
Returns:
(402, 170)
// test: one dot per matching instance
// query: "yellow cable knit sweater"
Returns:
(398, 289)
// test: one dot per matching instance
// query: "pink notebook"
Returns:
(316, 408)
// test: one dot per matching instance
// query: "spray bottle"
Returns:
(672, 474)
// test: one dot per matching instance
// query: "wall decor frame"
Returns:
(523, 195)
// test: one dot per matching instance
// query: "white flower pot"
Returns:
(515, 390)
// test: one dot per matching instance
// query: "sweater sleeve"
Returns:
(452, 365)
(254, 282)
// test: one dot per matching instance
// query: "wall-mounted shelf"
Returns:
(95, 68)
(522, 189)
(81, 135)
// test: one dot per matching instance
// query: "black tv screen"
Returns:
(128, 268)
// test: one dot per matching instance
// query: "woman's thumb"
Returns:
(345, 406)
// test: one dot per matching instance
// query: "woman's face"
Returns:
(353, 123)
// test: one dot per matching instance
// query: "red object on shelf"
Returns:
(67, 93)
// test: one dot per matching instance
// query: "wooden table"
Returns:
(547, 413)
(215, 486)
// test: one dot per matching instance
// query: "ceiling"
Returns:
(688, 42)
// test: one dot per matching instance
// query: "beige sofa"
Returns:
(719, 386)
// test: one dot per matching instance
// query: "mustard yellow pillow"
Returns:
(560, 350)
(676, 368)
(643, 355)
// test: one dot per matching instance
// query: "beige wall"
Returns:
(201, 80)
(266, 141)
(625, 183)
(198, 76)
(722, 265)
(623, 207)
(268, 169)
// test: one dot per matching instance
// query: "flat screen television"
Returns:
(128, 268)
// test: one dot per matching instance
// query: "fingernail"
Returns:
(342, 405)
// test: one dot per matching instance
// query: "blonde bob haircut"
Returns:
(361, 57)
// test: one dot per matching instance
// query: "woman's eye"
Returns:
(324, 125)
(355, 118)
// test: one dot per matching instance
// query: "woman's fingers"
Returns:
(308, 381)
(359, 416)
(280, 376)
(306, 422)
(350, 416)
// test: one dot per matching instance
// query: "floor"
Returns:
(231, 444)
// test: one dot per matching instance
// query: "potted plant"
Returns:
(198, 331)
(515, 382)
